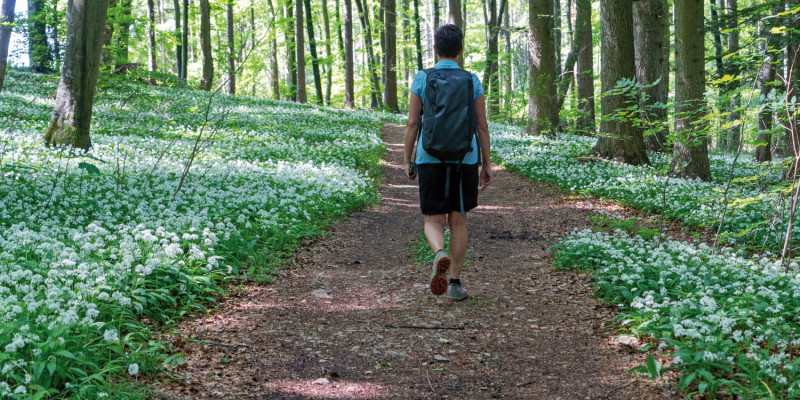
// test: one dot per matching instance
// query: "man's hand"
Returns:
(485, 177)
(411, 173)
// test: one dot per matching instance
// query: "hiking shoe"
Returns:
(438, 277)
(456, 291)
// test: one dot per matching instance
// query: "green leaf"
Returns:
(66, 353)
(653, 367)
(90, 168)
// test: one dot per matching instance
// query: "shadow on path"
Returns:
(353, 318)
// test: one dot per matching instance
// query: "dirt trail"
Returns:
(351, 320)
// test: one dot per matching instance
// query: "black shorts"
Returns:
(432, 184)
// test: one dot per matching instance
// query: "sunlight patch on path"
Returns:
(336, 389)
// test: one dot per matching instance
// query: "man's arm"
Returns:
(412, 126)
(483, 141)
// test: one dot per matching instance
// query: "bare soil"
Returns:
(353, 318)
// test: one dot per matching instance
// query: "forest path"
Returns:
(351, 319)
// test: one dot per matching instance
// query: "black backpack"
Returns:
(448, 119)
(448, 114)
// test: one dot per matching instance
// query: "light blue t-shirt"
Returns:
(418, 88)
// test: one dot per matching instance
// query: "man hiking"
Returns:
(452, 155)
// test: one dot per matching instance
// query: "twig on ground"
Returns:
(610, 392)
(218, 343)
(460, 328)
(427, 376)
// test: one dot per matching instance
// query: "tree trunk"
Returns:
(54, 35)
(312, 43)
(619, 136)
(792, 135)
(557, 37)
(123, 32)
(542, 114)
(185, 41)
(391, 56)
(649, 46)
(371, 61)
(349, 94)
(231, 49)
(406, 57)
(72, 114)
(339, 31)
(509, 66)
(291, 58)
(490, 76)
(151, 38)
(766, 84)
(301, 54)
(273, 59)
(38, 46)
(328, 52)
(733, 69)
(568, 74)
(691, 151)
(6, 19)
(457, 19)
(418, 35)
(205, 45)
(178, 41)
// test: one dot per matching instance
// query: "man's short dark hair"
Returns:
(448, 40)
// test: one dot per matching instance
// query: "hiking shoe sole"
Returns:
(439, 275)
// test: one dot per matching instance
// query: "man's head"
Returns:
(448, 41)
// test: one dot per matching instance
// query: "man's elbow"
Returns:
(412, 124)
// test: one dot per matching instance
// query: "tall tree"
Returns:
(568, 75)
(691, 150)
(6, 21)
(312, 44)
(767, 82)
(619, 137)
(418, 35)
(72, 114)
(649, 45)
(54, 33)
(151, 39)
(301, 54)
(733, 69)
(38, 46)
(328, 53)
(490, 74)
(231, 48)
(372, 62)
(273, 59)
(457, 19)
(178, 40)
(291, 58)
(184, 41)
(123, 31)
(557, 36)
(390, 90)
(349, 94)
(207, 80)
(542, 114)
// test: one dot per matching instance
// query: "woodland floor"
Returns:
(353, 318)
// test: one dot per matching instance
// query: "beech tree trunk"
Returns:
(733, 69)
(457, 19)
(542, 114)
(151, 38)
(312, 43)
(618, 135)
(38, 46)
(184, 41)
(649, 46)
(349, 93)
(371, 60)
(178, 41)
(418, 35)
(328, 53)
(231, 49)
(691, 150)
(490, 75)
(766, 84)
(291, 58)
(568, 74)
(123, 32)
(390, 91)
(301, 54)
(6, 19)
(72, 114)
(207, 81)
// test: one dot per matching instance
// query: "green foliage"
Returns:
(98, 250)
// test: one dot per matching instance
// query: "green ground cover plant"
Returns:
(180, 194)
